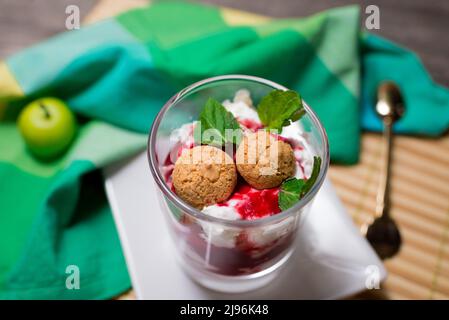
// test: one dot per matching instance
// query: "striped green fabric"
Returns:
(116, 74)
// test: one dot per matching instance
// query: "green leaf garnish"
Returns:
(294, 189)
(313, 176)
(217, 125)
(280, 108)
(290, 191)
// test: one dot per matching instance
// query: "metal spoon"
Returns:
(383, 234)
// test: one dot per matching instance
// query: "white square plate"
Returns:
(332, 260)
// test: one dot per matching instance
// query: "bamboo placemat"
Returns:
(420, 201)
(420, 206)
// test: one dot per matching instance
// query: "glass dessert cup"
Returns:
(228, 255)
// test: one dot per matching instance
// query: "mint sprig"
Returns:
(217, 126)
(280, 108)
(293, 189)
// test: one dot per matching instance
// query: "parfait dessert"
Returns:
(241, 162)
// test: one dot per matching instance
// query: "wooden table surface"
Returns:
(421, 168)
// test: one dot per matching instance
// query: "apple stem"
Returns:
(44, 108)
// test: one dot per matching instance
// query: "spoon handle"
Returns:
(383, 195)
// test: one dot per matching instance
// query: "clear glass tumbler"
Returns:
(213, 251)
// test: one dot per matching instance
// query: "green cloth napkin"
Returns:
(116, 75)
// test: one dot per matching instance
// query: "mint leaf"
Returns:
(313, 176)
(294, 189)
(290, 191)
(280, 108)
(217, 126)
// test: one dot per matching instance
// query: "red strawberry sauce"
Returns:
(252, 203)
(251, 124)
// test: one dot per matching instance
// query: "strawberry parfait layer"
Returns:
(262, 168)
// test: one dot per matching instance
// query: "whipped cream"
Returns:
(183, 134)
(263, 236)
(220, 236)
(302, 150)
(241, 106)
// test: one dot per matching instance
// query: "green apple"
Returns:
(47, 126)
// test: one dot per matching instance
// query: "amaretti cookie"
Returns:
(264, 161)
(204, 175)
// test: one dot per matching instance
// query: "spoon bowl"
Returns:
(384, 237)
(389, 101)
